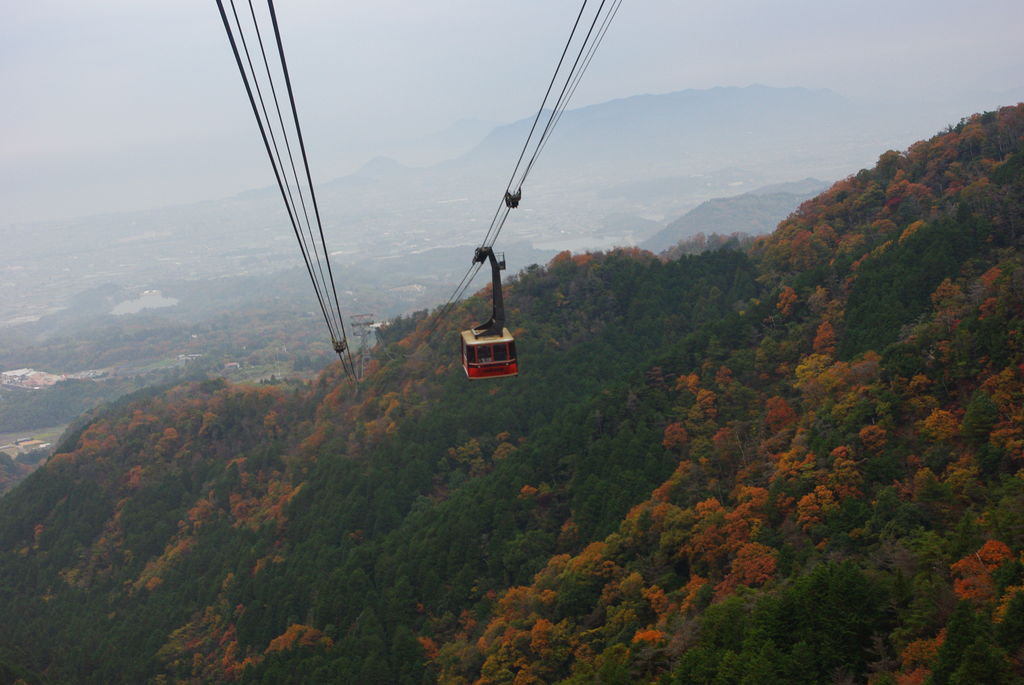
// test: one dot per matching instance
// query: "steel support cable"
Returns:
(267, 145)
(456, 294)
(475, 267)
(572, 80)
(309, 177)
(562, 101)
(292, 213)
(461, 288)
(498, 227)
(278, 164)
(332, 305)
(540, 111)
(586, 63)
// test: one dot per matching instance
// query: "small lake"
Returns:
(146, 301)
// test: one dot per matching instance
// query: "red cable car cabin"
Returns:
(490, 356)
(489, 350)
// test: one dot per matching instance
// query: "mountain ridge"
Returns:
(753, 213)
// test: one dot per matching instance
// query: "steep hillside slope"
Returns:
(184, 532)
(837, 513)
(798, 465)
(754, 213)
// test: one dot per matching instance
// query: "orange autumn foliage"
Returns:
(921, 652)
(690, 592)
(945, 293)
(661, 493)
(648, 636)
(675, 437)
(916, 658)
(707, 539)
(825, 339)
(723, 377)
(813, 506)
(844, 478)
(706, 403)
(560, 258)
(779, 414)
(540, 635)
(527, 491)
(583, 259)
(973, 574)
(754, 565)
(874, 437)
(690, 382)
(787, 298)
(940, 425)
(658, 600)
(298, 634)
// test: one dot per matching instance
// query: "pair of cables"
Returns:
(282, 138)
(565, 80)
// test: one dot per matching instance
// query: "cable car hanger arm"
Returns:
(496, 324)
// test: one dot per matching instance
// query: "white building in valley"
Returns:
(16, 377)
(29, 378)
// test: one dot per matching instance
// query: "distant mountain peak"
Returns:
(381, 166)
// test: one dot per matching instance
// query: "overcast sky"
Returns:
(113, 105)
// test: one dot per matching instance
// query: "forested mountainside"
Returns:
(800, 463)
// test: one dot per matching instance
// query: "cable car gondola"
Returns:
(489, 350)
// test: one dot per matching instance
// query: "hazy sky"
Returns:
(120, 104)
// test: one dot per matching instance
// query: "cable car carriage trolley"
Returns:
(489, 350)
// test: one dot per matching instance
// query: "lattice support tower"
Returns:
(363, 328)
